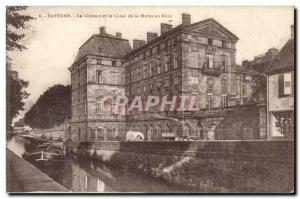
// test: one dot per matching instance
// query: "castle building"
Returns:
(192, 59)
(98, 70)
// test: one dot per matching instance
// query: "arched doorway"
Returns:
(200, 131)
(159, 132)
(166, 132)
(187, 131)
(115, 133)
(211, 131)
(174, 131)
(144, 131)
(150, 133)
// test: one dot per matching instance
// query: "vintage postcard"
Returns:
(150, 99)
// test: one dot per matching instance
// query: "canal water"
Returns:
(87, 176)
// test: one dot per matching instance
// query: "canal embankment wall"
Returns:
(212, 166)
(21, 176)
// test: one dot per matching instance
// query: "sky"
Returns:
(52, 43)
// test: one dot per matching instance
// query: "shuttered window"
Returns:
(285, 87)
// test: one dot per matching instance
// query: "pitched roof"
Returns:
(212, 31)
(104, 44)
(284, 61)
(208, 31)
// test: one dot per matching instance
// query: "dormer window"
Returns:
(210, 42)
(223, 44)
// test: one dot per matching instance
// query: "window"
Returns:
(244, 89)
(194, 59)
(151, 69)
(175, 61)
(282, 124)
(158, 68)
(166, 85)
(92, 134)
(238, 84)
(109, 133)
(194, 80)
(209, 61)
(145, 72)
(147, 53)
(210, 42)
(99, 110)
(106, 62)
(158, 88)
(248, 134)
(166, 63)
(115, 133)
(209, 100)
(223, 63)
(133, 75)
(224, 100)
(210, 82)
(224, 44)
(113, 109)
(151, 88)
(99, 76)
(224, 86)
(99, 93)
(285, 84)
(100, 134)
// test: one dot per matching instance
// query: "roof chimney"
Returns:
(165, 28)
(272, 53)
(142, 42)
(186, 19)
(292, 31)
(102, 30)
(118, 34)
(245, 63)
(138, 43)
(151, 36)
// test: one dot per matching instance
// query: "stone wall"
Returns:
(218, 166)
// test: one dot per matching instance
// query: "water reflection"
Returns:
(87, 176)
(16, 144)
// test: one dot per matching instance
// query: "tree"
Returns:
(15, 24)
(259, 89)
(14, 95)
(52, 108)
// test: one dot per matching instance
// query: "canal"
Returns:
(88, 176)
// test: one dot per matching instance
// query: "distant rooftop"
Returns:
(284, 61)
(104, 43)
